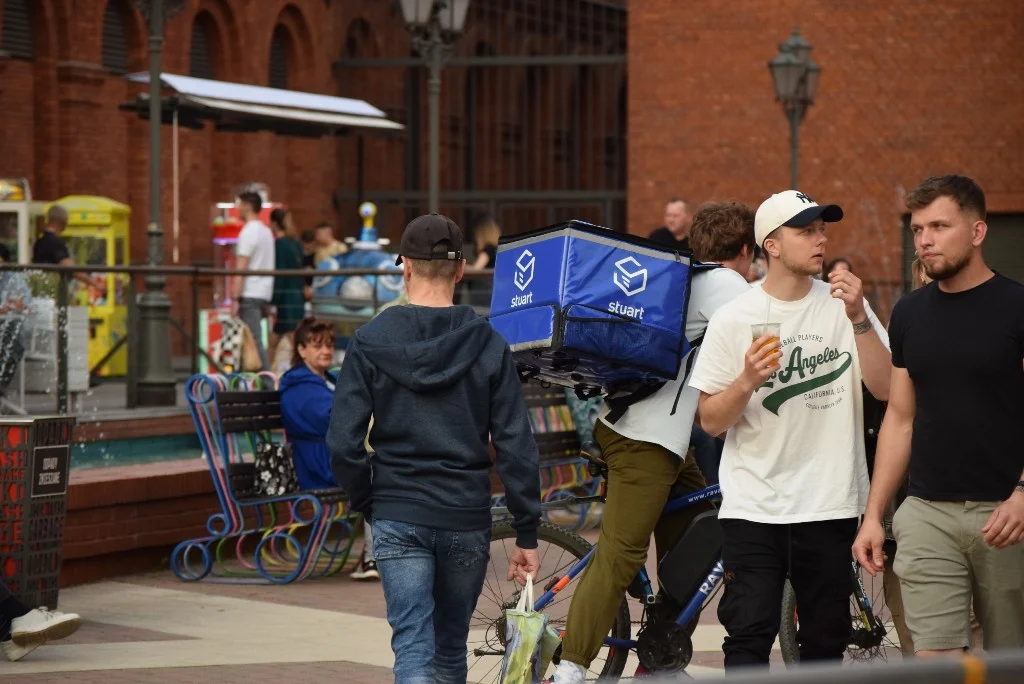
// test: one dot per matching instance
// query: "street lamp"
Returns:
(156, 385)
(795, 77)
(435, 25)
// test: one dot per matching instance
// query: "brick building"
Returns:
(533, 110)
(908, 90)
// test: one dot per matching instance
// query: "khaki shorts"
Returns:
(942, 560)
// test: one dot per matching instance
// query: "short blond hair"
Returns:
(433, 269)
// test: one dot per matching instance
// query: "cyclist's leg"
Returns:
(639, 477)
(754, 556)
(670, 527)
(820, 573)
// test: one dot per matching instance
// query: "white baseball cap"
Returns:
(791, 208)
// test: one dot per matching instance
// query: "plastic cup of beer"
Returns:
(772, 330)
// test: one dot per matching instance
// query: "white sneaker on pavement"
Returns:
(38, 626)
(365, 570)
(13, 652)
(569, 673)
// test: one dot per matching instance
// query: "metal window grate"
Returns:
(533, 117)
(115, 40)
(17, 39)
(278, 68)
(200, 54)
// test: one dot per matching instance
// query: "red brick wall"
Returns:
(908, 90)
(61, 127)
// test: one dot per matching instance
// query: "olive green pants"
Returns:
(640, 476)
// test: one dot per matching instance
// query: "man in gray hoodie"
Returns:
(438, 381)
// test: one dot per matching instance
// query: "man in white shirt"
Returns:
(794, 473)
(251, 295)
(646, 450)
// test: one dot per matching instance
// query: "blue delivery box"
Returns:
(592, 309)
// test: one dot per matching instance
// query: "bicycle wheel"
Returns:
(559, 550)
(864, 645)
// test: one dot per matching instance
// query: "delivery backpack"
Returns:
(588, 308)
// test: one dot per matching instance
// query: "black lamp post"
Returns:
(156, 386)
(435, 25)
(795, 77)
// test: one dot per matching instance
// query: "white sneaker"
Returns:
(15, 652)
(569, 673)
(38, 626)
(366, 570)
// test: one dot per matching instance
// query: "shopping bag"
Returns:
(251, 361)
(524, 631)
(549, 643)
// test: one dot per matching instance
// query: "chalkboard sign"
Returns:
(50, 470)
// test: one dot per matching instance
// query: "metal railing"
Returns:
(198, 278)
(205, 281)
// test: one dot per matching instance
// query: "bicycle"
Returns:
(662, 643)
(873, 634)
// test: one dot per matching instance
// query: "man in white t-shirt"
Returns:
(794, 473)
(251, 295)
(646, 450)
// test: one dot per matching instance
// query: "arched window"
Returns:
(201, 63)
(115, 40)
(278, 68)
(17, 39)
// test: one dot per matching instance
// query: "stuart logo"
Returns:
(630, 276)
(800, 378)
(524, 269)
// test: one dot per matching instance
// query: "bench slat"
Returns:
(249, 411)
(258, 424)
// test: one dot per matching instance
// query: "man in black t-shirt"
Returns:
(676, 231)
(50, 247)
(957, 394)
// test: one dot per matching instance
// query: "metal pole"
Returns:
(156, 377)
(794, 145)
(434, 105)
(62, 344)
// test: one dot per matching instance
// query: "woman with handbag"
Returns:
(307, 393)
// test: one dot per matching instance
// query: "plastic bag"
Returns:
(530, 641)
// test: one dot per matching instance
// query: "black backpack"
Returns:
(620, 399)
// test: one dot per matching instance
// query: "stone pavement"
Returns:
(155, 628)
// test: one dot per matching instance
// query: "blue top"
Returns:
(306, 413)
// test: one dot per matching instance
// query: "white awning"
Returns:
(248, 107)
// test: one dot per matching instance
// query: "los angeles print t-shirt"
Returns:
(797, 452)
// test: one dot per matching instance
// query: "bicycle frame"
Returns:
(703, 592)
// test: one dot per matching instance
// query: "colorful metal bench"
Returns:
(256, 539)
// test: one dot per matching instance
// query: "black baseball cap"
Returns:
(431, 236)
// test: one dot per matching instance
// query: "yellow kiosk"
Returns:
(21, 218)
(98, 234)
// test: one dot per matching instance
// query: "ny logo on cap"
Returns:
(804, 198)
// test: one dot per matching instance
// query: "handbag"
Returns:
(530, 641)
(275, 468)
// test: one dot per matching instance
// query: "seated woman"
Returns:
(307, 393)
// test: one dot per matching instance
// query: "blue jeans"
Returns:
(432, 579)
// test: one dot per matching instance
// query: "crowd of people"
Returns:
(438, 385)
(787, 354)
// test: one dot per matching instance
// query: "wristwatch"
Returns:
(1019, 487)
